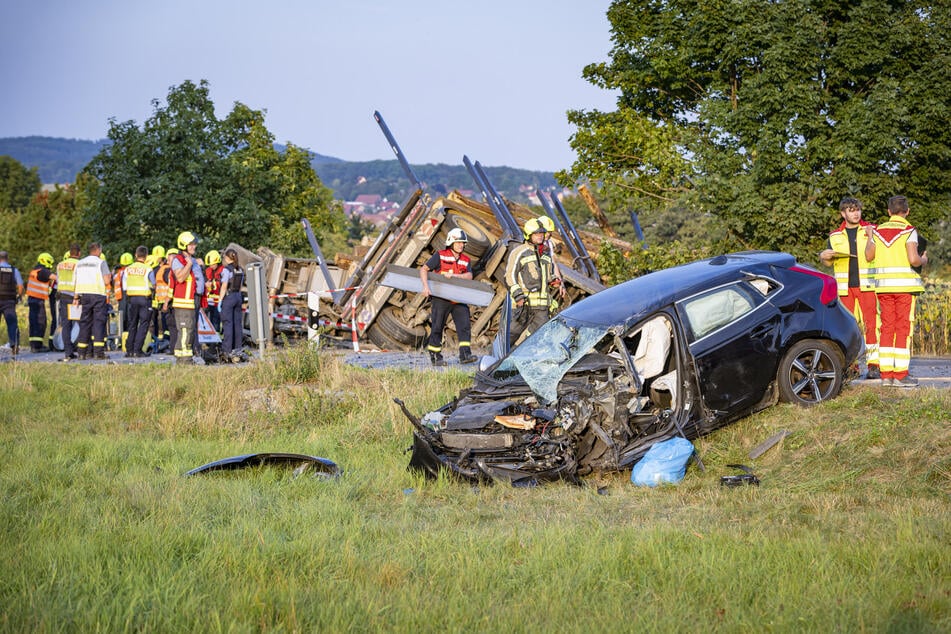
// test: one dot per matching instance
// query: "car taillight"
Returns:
(830, 292)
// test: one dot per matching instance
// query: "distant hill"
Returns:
(59, 160)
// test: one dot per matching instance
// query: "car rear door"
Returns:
(733, 334)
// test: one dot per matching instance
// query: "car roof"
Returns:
(629, 301)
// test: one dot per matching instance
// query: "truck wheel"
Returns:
(411, 337)
(479, 241)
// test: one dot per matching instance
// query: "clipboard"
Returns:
(74, 312)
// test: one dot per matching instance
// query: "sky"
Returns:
(491, 79)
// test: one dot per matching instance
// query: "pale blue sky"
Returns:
(488, 78)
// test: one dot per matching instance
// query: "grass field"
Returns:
(849, 531)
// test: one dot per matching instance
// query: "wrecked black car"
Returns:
(683, 351)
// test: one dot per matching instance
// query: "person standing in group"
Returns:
(212, 297)
(186, 282)
(529, 275)
(38, 287)
(160, 321)
(232, 318)
(854, 275)
(450, 262)
(66, 282)
(92, 278)
(138, 282)
(11, 290)
(893, 245)
(124, 260)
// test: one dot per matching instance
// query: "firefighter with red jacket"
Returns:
(854, 275)
(41, 280)
(449, 262)
(212, 299)
(187, 281)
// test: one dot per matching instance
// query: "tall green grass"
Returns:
(100, 531)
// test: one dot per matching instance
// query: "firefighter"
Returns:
(549, 226)
(38, 287)
(212, 297)
(450, 262)
(160, 325)
(530, 277)
(11, 290)
(66, 281)
(124, 260)
(232, 319)
(92, 278)
(187, 281)
(893, 245)
(138, 282)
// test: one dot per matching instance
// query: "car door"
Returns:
(733, 333)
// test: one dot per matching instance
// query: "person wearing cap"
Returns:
(92, 281)
(187, 282)
(66, 281)
(38, 287)
(450, 262)
(11, 290)
(138, 281)
(529, 274)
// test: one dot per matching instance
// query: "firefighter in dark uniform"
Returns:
(450, 262)
(530, 276)
(66, 281)
(11, 289)
(38, 287)
(92, 278)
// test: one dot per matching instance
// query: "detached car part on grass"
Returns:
(688, 349)
(321, 467)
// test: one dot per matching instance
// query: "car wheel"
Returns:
(810, 372)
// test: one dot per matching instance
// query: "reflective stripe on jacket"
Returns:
(839, 240)
(161, 285)
(89, 280)
(529, 272)
(136, 280)
(65, 274)
(37, 289)
(893, 272)
(183, 293)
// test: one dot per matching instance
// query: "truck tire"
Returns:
(479, 241)
(398, 331)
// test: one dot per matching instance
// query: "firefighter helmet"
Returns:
(547, 223)
(46, 260)
(125, 259)
(158, 251)
(532, 226)
(172, 251)
(212, 258)
(456, 235)
(185, 238)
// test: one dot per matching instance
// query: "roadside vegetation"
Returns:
(101, 531)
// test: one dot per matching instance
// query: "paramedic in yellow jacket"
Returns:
(532, 284)
(894, 248)
(854, 275)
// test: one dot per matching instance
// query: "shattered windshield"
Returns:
(544, 358)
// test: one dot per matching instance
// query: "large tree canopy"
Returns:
(221, 179)
(767, 113)
(17, 184)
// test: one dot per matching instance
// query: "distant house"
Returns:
(369, 200)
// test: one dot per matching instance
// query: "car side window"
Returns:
(717, 308)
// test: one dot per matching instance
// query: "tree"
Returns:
(50, 222)
(221, 179)
(765, 114)
(17, 184)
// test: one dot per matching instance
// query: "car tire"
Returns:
(396, 330)
(810, 372)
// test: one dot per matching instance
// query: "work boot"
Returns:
(83, 354)
(99, 354)
(906, 381)
(873, 372)
(466, 356)
(436, 359)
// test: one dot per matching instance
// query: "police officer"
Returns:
(138, 281)
(450, 262)
(11, 289)
(529, 274)
(232, 319)
(66, 281)
(92, 281)
(38, 287)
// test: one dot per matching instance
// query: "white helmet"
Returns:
(456, 235)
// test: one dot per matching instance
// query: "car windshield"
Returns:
(544, 358)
